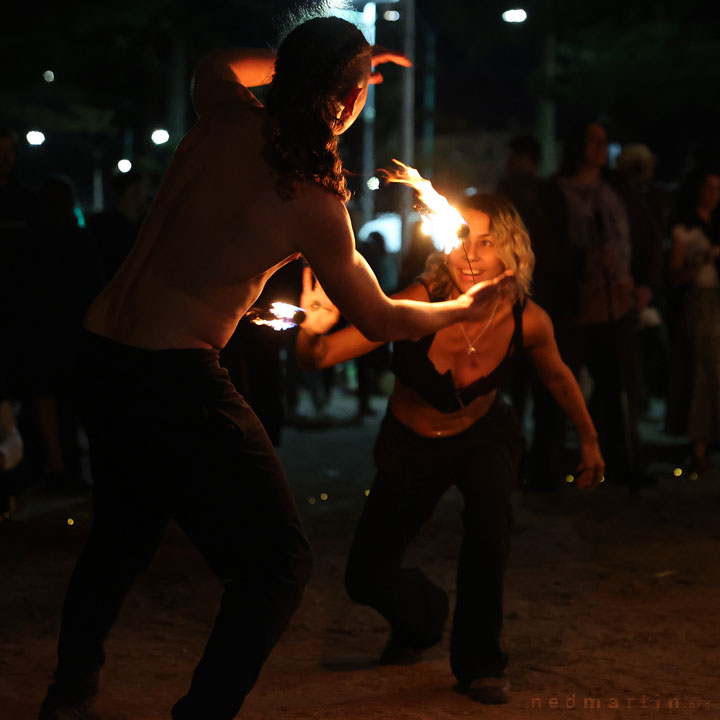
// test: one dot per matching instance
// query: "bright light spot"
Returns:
(369, 13)
(391, 15)
(367, 492)
(614, 150)
(312, 500)
(70, 521)
(124, 165)
(470, 191)
(426, 227)
(160, 136)
(677, 472)
(569, 478)
(49, 76)
(516, 15)
(35, 137)
(323, 496)
(373, 183)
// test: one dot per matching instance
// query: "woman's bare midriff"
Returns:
(411, 410)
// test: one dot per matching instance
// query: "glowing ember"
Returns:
(279, 316)
(442, 219)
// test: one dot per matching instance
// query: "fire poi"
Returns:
(279, 316)
(445, 222)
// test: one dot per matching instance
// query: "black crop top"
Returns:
(413, 368)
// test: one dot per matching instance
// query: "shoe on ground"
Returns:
(397, 653)
(493, 690)
(82, 711)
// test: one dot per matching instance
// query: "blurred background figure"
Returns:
(371, 367)
(694, 394)
(413, 262)
(11, 454)
(646, 211)
(595, 313)
(115, 229)
(64, 275)
(16, 210)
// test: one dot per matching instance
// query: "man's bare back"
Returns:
(218, 229)
(215, 233)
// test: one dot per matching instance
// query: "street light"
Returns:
(49, 76)
(124, 165)
(515, 15)
(160, 136)
(35, 137)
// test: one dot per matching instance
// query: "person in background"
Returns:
(17, 210)
(63, 275)
(632, 179)
(116, 229)
(11, 454)
(594, 312)
(694, 394)
(447, 424)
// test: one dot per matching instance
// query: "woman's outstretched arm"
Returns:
(557, 377)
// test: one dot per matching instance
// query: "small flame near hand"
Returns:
(441, 219)
(279, 316)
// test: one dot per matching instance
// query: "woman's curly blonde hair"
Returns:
(512, 244)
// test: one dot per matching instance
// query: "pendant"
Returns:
(471, 350)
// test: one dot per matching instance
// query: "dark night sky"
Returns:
(649, 68)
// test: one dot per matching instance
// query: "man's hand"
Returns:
(592, 466)
(476, 297)
(382, 55)
(322, 315)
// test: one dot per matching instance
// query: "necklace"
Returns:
(471, 344)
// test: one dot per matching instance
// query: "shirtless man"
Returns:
(249, 189)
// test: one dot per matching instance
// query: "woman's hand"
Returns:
(321, 314)
(592, 466)
(382, 55)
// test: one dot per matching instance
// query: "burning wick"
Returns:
(279, 316)
(444, 220)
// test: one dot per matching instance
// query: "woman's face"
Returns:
(709, 195)
(481, 252)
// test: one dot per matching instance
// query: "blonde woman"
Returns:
(447, 424)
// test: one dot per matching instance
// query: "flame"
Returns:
(442, 219)
(279, 316)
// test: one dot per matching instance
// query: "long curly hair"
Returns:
(512, 244)
(317, 65)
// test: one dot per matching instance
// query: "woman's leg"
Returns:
(415, 607)
(487, 482)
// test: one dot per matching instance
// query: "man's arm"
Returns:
(328, 244)
(224, 75)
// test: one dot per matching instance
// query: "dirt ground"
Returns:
(612, 605)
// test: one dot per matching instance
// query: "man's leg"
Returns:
(235, 505)
(125, 534)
